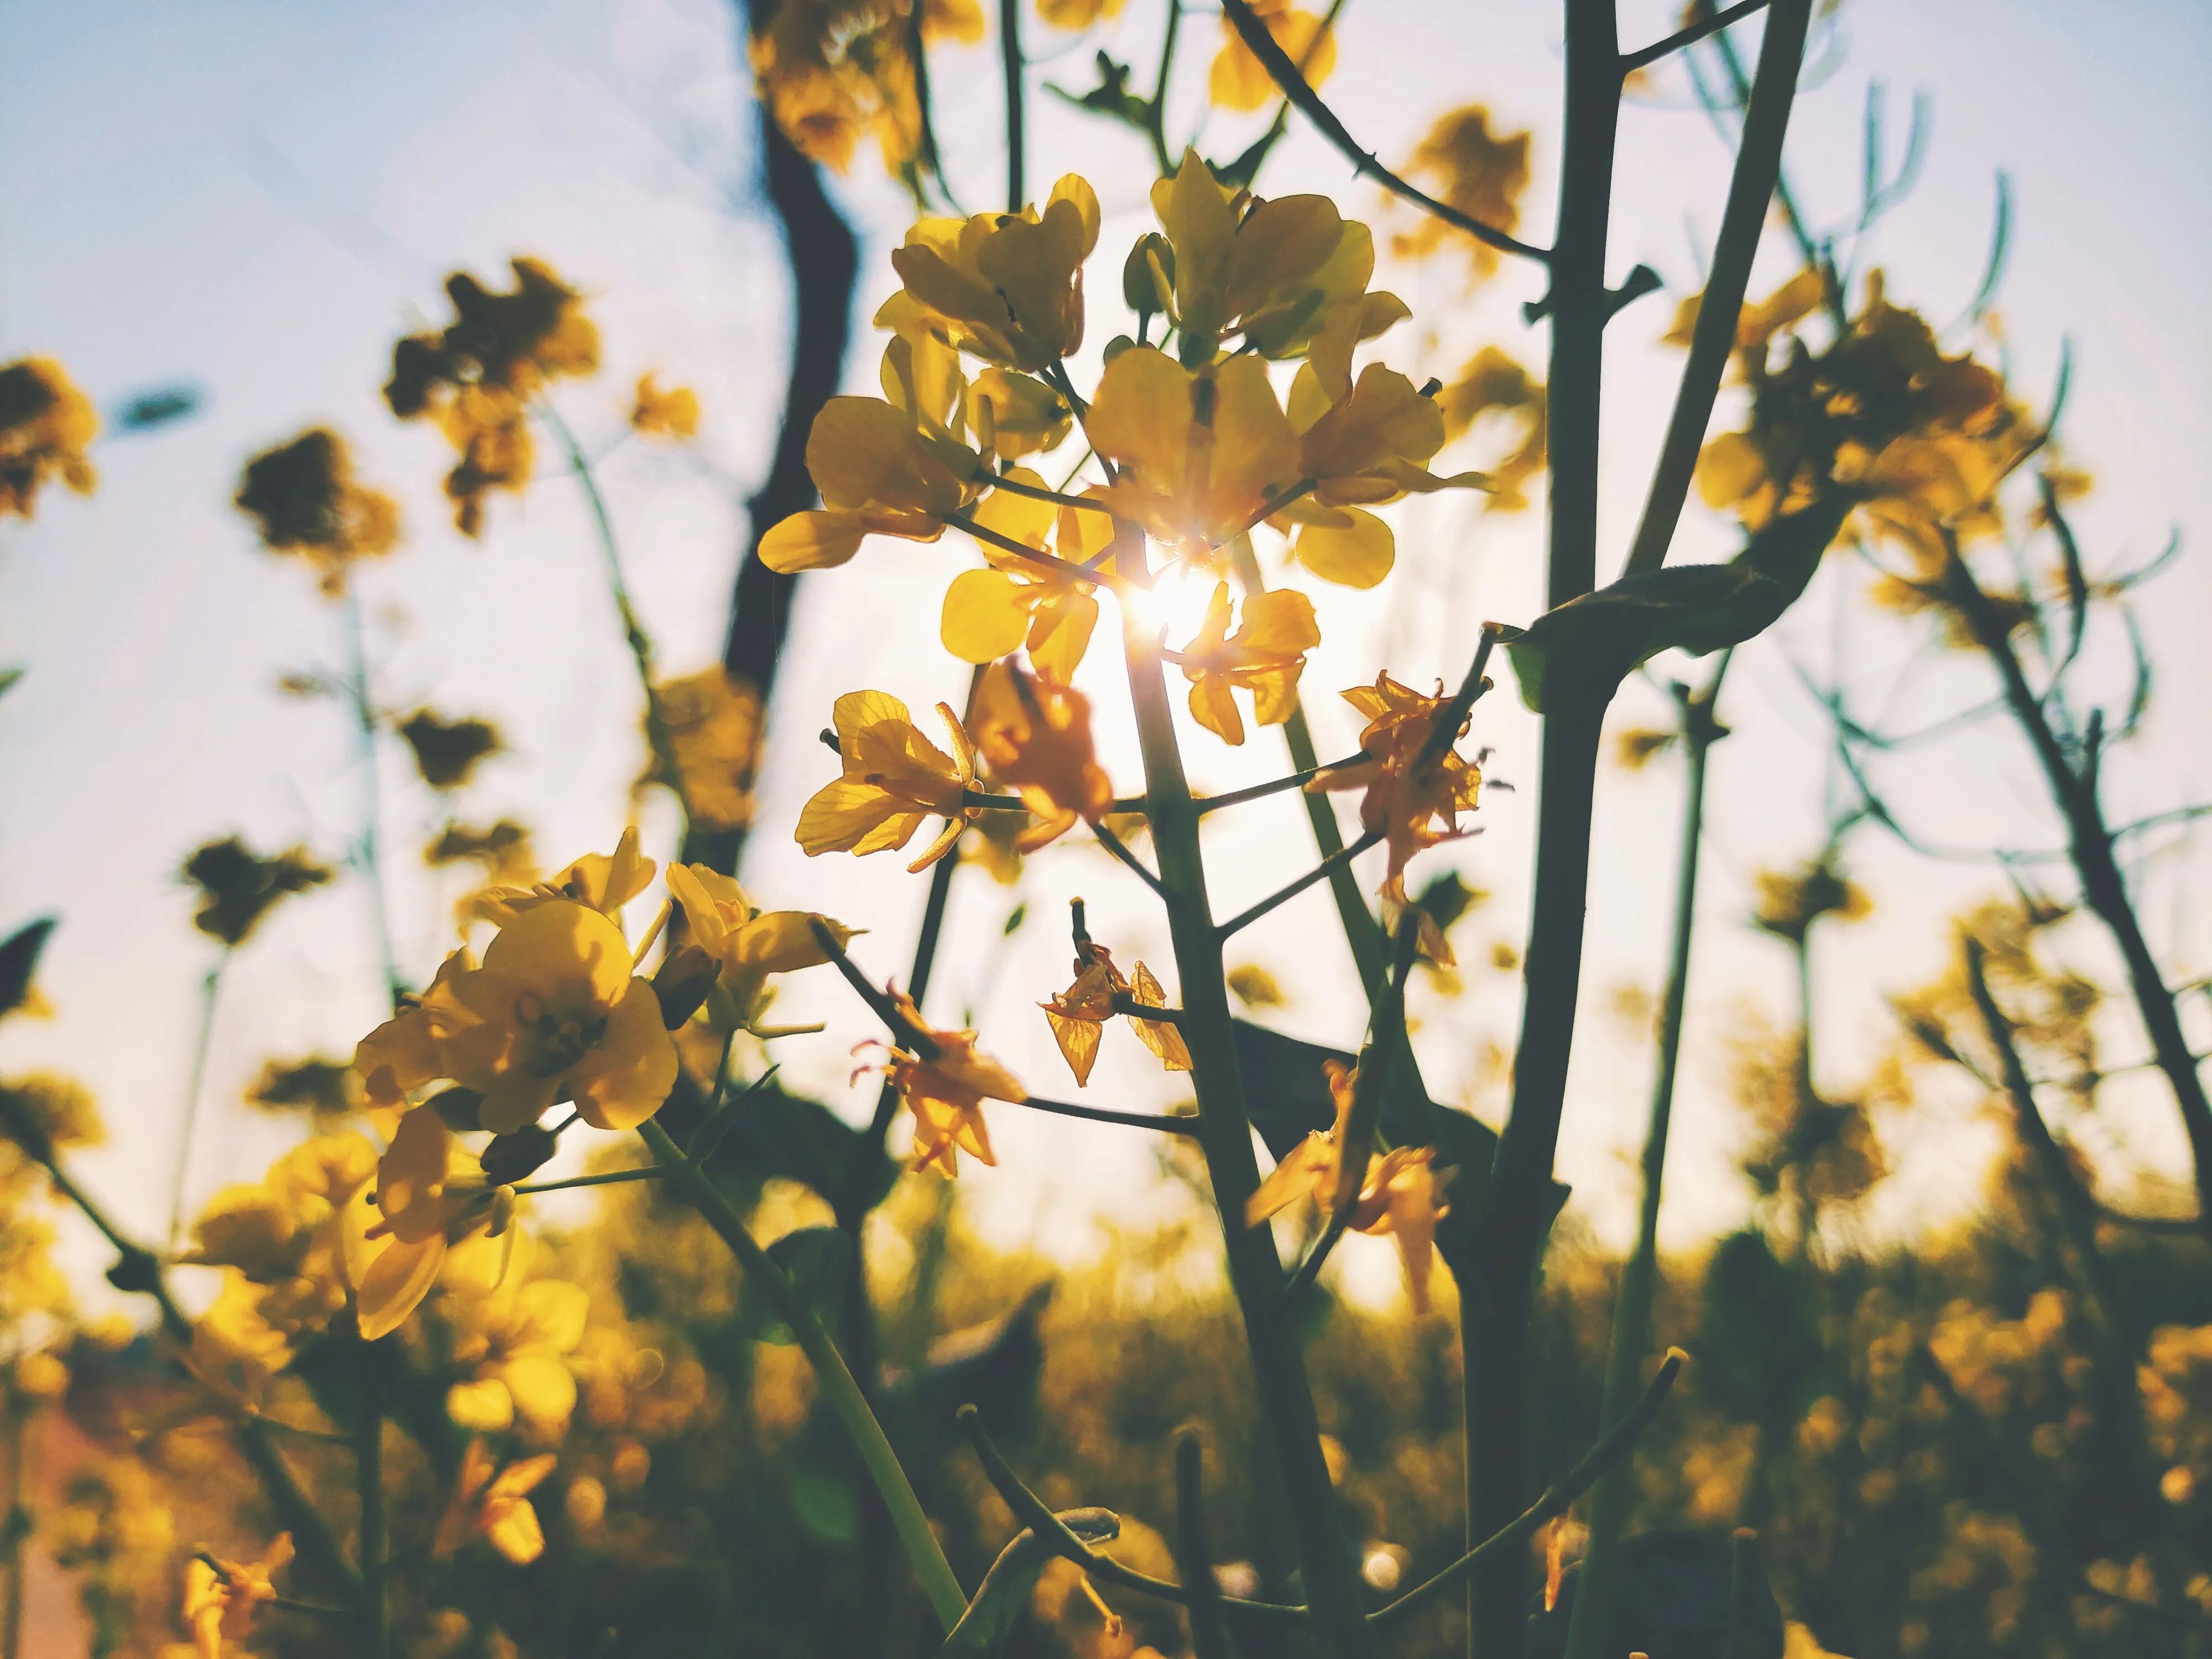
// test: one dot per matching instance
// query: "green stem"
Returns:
(1590, 1634)
(609, 1178)
(1157, 129)
(640, 642)
(1255, 1272)
(1010, 59)
(372, 826)
(839, 1389)
(195, 1086)
(1750, 190)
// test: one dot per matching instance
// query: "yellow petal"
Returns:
(544, 1391)
(1141, 415)
(812, 541)
(562, 953)
(1213, 705)
(783, 942)
(848, 815)
(395, 1282)
(1357, 554)
(483, 1406)
(986, 615)
(1078, 1042)
(1060, 632)
(1304, 1164)
(516, 1533)
(627, 1074)
(1161, 1038)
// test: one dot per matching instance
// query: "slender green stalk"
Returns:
(1494, 1322)
(839, 1389)
(372, 811)
(1010, 60)
(370, 1472)
(1750, 190)
(1255, 1271)
(195, 1086)
(1590, 1635)
(634, 633)
(608, 1178)
(1157, 128)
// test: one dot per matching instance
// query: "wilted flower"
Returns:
(945, 1092)
(1077, 1015)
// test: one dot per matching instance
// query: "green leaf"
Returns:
(1596, 640)
(9, 676)
(814, 1259)
(1004, 1595)
(19, 962)
(771, 1134)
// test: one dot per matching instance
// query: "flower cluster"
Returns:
(305, 503)
(45, 426)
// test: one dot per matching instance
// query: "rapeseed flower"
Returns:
(894, 778)
(673, 413)
(222, 1597)
(1480, 172)
(493, 1504)
(1034, 736)
(880, 472)
(945, 1091)
(748, 945)
(1013, 604)
(1265, 656)
(45, 426)
(1004, 286)
(237, 887)
(1077, 1015)
(305, 500)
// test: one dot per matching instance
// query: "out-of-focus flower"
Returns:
(1238, 80)
(1493, 387)
(447, 753)
(658, 414)
(222, 1597)
(1074, 14)
(1790, 901)
(237, 887)
(1034, 736)
(493, 1504)
(946, 1092)
(430, 1193)
(513, 1344)
(478, 376)
(835, 72)
(45, 426)
(1255, 986)
(713, 728)
(1265, 656)
(305, 500)
(321, 1087)
(894, 778)
(1478, 172)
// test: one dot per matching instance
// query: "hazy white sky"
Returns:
(259, 198)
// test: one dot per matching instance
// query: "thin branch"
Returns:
(1632, 61)
(1165, 1122)
(1051, 563)
(1321, 872)
(1120, 848)
(1040, 493)
(1558, 1498)
(1010, 64)
(1294, 87)
(611, 1177)
(908, 1030)
(1297, 779)
(1712, 341)
(1031, 1511)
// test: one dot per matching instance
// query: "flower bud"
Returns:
(682, 984)
(511, 1158)
(1148, 278)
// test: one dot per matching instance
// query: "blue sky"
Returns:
(259, 198)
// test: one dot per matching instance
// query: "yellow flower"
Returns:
(237, 887)
(493, 1504)
(714, 726)
(604, 881)
(1077, 1015)
(1004, 287)
(1203, 451)
(894, 778)
(1481, 174)
(1034, 736)
(513, 1342)
(1238, 80)
(477, 377)
(833, 72)
(671, 414)
(1265, 656)
(222, 1597)
(749, 944)
(1372, 444)
(45, 426)
(1405, 797)
(428, 1194)
(284, 1233)
(1397, 1193)
(1073, 15)
(556, 1014)
(994, 612)
(304, 496)
(1492, 383)
(946, 1094)
(880, 473)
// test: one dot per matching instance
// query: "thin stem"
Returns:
(195, 1087)
(1281, 895)
(609, 1178)
(140, 1271)
(1031, 1511)
(1808, 247)
(1711, 24)
(634, 633)
(1114, 844)
(839, 1389)
(1010, 61)
(1039, 493)
(372, 809)
(1556, 1499)
(1286, 76)
(1048, 561)
(1286, 1399)
(902, 1027)
(1751, 192)
(927, 154)
(1297, 779)
(1166, 1122)
(1590, 1634)
(1157, 127)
